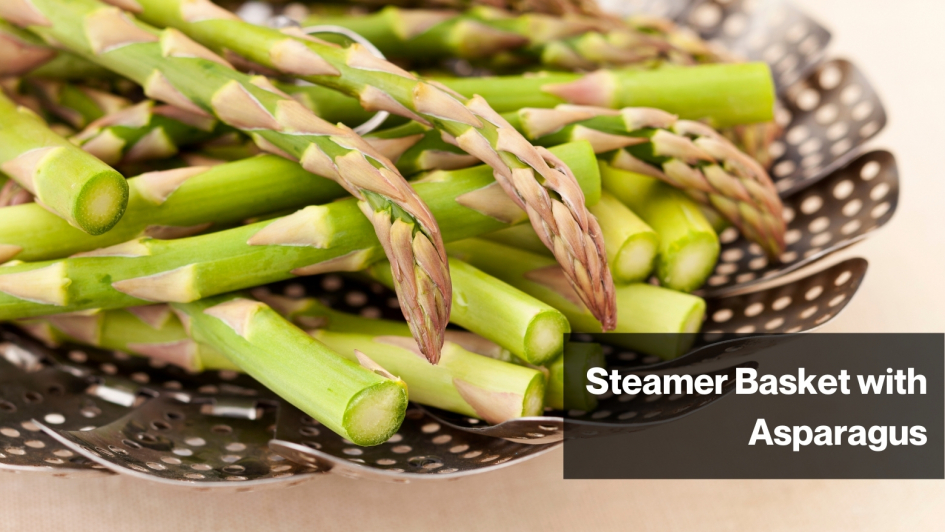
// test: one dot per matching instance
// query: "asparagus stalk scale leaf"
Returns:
(76, 186)
(178, 71)
(538, 182)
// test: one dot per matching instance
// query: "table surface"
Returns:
(898, 45)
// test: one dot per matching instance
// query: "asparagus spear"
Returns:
(175, 69)
(310, 313)
(643, 308)
(357, 399)
(540, 184)
(172, 204)
(689, 246)
(462, 382)
(332, 237)
(152, 331)
(73, 184)
(146, 131)
(528, 328)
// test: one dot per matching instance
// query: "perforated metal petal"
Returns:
(827, 117)
(180, 439)
(51, 395)
(29, 391)
(826, 217)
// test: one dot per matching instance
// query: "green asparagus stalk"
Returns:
(357, 399)
(643, 308)
(462, 382)
(317, 239)
(632, 245)
(310, 313)
(146, 131)
(174, 69)
(689, 246)
(73, 184)
(152, 331)
(528, 328)
(566, 388)
(540, 184)
(172, 204)
(76, 105)
(722, 95)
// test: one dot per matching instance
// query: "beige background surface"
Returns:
(899, 44)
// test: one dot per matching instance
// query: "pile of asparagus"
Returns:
(583, 192)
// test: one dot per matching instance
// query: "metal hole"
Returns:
(781, 303)
(819, 224)
(754, 309)
(879, 210)
(830, 77)
(838, 130)
(870, 170)
(852, 207)
(850, 227)
(843, 189)
(850, 94)
(54, 419)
